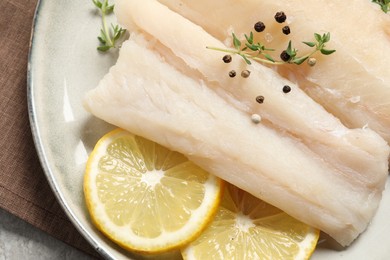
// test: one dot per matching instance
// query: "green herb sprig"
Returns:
(249, 50)
(384, 4)
(109, 36)
(318, 45)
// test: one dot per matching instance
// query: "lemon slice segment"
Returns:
(248, 228)
(145, 197)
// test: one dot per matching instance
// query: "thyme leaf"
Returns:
(109, 36)
(236, 42)
(384, 4)
(310, 44)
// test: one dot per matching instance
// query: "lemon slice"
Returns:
(145, 197)
(248, 228)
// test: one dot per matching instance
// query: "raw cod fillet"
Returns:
(160, 103)
(297, 159)
(295, 113)
(359, 153)
(353, 83)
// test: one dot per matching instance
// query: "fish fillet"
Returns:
(299, 158)
(168, 107)
(352, 83)
(295, 113)
(358, 156)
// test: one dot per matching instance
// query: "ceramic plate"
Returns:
(63, 65)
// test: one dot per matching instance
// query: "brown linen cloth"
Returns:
(24, 190)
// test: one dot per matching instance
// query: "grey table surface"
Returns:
(21, 241)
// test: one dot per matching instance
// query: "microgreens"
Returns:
(249, 50)
(384, 4)
(108, 35)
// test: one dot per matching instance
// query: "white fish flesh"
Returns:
(296, 112)
(298, 159)
(162, 104)
(353, 83)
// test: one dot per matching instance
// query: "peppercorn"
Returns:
(286, 89)
(285, 56)
(286, 30)
(259, 26)
(256, 118)
(232, 73)
(260, 99)
(245, 73)
(311, 62)
(227, 58)
(280, 17)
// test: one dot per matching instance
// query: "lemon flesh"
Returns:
(248, 228)
(145, 197)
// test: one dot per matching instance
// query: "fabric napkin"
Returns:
(24, 190)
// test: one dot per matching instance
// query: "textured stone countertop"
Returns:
(20, 240)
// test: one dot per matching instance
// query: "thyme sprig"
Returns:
(318, 45)
(108, 35)
(384, 4)
(249, 50)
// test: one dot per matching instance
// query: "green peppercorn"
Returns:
(285, 56)
(260, 99)
(280, 17)
(227, 58)
(232, 73)
(286, 30)
(259, 26)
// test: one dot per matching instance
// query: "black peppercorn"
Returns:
(280, 17)
(227, 58)
(259, 26)
(286, 89)
(232, 73)
(286, 30)
(260, 99)
(285, 56)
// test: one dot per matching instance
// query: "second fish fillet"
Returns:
(353, 83)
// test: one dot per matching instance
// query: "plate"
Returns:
(63, 65)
